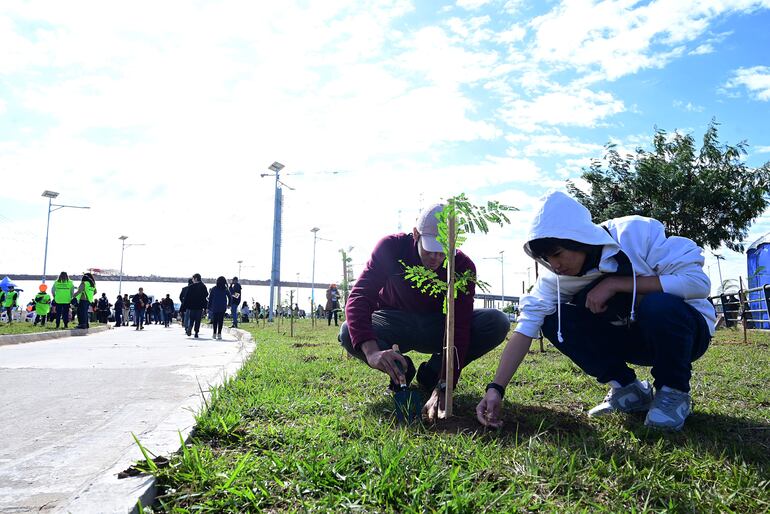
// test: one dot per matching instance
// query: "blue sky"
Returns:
(162, 116)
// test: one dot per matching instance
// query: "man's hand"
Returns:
(597, 298)
(488, 409)
(385, 361)
(435, 407)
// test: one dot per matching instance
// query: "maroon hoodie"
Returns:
(382, 286)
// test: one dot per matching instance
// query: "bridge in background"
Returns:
(489, 299)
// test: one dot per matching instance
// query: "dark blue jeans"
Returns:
(195, 320)
(234, 313)
(424, 333)
(668, 335)
(83, 306)
(62, 313)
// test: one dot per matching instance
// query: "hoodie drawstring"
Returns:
(558, 310)
(633, 295)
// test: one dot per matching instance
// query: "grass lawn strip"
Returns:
(302, 428)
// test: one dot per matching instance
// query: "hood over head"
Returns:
(561, 216)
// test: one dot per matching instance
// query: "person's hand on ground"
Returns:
(488, 409)
(385, 361)
(435, 408)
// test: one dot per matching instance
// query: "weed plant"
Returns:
(302, 428)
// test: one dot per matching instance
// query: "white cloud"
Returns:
(703, 49)
(689, 106)
(582, 108)
(554, 144)
(472, 5)
(612, 39)
(756, 80)
(762, 149)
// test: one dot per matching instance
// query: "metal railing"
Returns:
(749, 308)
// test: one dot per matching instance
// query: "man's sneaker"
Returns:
(635, 397)
(669, 409)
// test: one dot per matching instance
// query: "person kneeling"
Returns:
(618, 293)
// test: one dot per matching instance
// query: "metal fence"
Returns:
(749, 308)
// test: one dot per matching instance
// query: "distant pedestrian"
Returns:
(195, 301)
(140, 301)
(167, 308)
(42, 305)
(63, 292)
(10, 300)
(119, 311)
(245, 312)
(219, 299)
(183, 312)
(85, 295)
(157, 312)
(126, 310)
(332, 304)
(235, 295)
(103, 309)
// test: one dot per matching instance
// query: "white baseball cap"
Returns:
(427, 226)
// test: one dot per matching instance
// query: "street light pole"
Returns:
(275, 272)
(53, 207)
(239, 269)
(502, 276)
(719, 266)
(122, 251)
(314, 230)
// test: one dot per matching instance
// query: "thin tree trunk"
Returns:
(450, 316)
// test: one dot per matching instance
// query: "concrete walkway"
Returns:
(70, 405)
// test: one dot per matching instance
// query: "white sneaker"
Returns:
(669, 410)
(635, 397)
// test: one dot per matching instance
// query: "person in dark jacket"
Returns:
(195, 301)
(140, 301)
(384, 309)
(235, 295)
(184, 313)
(167, 306)
(119, 311)
(219, 299)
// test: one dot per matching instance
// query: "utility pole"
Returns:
(275, 268)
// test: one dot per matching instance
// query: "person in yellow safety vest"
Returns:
(42, 305)
(63, 291)
(9, 302)
(85, 295)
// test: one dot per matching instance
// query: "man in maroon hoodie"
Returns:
(384, 310)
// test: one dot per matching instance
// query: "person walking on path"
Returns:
(119, 311)
(167, 308)
(63, 292)
(613, 294)
(157, 312)
(384, 310)
(332, 304)
(219, 299)
(235, 295)
(85, 296)
(126, 309)
(42, 305)
(195, 301)
(140, 301)
(184, 313)
(103, 309)
(10, 300)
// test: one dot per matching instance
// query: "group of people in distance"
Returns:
(612, 294)
(196, 297)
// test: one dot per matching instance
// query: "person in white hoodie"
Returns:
(613, 294)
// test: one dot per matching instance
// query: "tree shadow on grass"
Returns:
(738, 440)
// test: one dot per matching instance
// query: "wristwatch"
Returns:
(497, 387)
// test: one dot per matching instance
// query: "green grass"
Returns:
(302, 428)
(23, 327)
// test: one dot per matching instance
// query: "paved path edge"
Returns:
(44, 336)
(107, 493)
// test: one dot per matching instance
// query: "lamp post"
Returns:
(122, 250)
(719, 266)
(239, 269)
(314, 230)
(53, 207)
(502, 276)
(275, 271)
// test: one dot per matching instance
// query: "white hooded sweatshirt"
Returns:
(676, 261)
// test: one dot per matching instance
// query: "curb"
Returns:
(44, 336)
(107, 493)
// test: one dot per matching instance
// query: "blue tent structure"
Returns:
(5, 283)
(758, 267)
